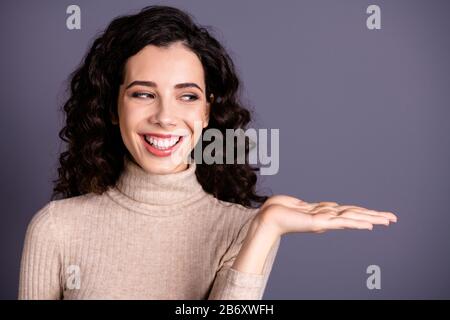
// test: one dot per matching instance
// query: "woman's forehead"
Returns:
(165, 65)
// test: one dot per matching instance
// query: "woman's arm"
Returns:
(40, 264)
(261, 237)
(232, 284)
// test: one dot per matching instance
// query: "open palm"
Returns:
(289, 214)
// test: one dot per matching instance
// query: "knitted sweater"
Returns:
(149, 237)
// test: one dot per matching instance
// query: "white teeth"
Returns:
(162, 143)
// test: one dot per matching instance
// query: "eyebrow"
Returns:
(153, 84)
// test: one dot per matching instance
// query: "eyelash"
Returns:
(139, 94)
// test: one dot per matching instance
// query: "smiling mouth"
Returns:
(162, 143)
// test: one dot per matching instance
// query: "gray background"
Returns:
(363, 118)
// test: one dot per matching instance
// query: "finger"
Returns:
(366, 217)
(327, 204)
(387, 214)
(330, 210)
(343, 223)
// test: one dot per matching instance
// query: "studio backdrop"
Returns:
(355, 99)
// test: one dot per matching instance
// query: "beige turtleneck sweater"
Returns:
(149, 237)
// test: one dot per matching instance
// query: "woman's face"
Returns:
(162, 107)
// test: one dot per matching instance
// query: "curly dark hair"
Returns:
(94, 158)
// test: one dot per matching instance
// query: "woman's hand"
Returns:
(286, 214)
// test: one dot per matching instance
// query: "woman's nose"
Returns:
(165, 114)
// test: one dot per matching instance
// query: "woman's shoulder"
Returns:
(52, 217)
(75, 203)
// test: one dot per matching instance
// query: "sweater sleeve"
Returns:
(40, 263)
(231, 284)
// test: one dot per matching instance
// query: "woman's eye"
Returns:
(192, 96)
(142, 95)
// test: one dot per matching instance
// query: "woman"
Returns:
(132, 216)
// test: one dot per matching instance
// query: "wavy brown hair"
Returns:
(94, 157)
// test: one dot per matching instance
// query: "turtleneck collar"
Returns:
(156, 194)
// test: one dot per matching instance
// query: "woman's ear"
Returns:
(206, 120)
(208, 110)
